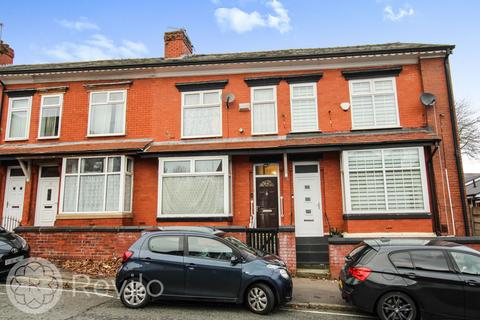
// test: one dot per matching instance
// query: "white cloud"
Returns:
(97, 47)
(79, 25)
(390, 14)
(241, 21)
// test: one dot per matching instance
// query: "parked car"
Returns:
(409, 279)
(190, 263)
(13, 249)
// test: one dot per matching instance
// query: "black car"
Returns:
(413, 279)
(201, 264)
(13, 249)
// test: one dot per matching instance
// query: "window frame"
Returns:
(9, 118)
(253, 102)
(386, 211)
(123, 173)
(226, 184)
(371, 81)
(315, 97)
(201, 105)
(60, 110)
(108, 92)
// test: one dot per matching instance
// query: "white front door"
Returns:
(308, 204)
(47, 196)
(14, 194)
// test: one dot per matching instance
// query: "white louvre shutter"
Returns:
(304, 108)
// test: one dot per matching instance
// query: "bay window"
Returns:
(374, 103)
(50, 114)
(197, 186)
(107, 113)
(385, 181)
(264, 110)
(18, 121)
(202, 114)
(97, 184)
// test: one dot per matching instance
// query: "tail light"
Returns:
(359, 273)
(126, 256)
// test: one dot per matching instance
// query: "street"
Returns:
(84, 305)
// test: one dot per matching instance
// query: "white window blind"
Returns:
(97, 184)
(201, 114)
(18, 118)
(195, 186)
(107, 113)
(304, 107)
(374, 103)
(264, 110)
(50, 113)
(385, 180)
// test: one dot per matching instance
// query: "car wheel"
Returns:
(134, 294)
(260, 299)
(396, 306)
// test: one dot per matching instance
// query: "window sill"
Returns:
(184, 218)
(386, 216)
(306, 132)
(265, 134)
(376, 128)
(48, 138)
(201, 137)
(113, 215)
(105, 135)
(15, 139)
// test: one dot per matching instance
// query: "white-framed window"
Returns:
(195, 186)
(97, 184)
(18, 121)
(303, 107)
(107, 113)
(374, 103)
(202, 114)
(385, 181)
(50, 116)
(264, 110)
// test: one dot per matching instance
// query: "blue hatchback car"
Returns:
(196, 263)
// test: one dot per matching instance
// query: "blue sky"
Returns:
(60, 30)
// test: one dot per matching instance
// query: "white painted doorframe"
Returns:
(20, 181)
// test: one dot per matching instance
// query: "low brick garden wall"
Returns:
(103, 243)
(338, 248)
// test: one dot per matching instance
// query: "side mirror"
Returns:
(235, 260)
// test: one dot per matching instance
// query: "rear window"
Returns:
(402, 260)
(171, 245)
(429, 260)
(361, 254)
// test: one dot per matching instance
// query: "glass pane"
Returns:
(170, 245)
(72, 166)
(16, 172)
(429, 260)
(99, 97)
(264, 120)
(385, 110)
(91, 193)
(129, 165)
(402, 260)
(114, 164)
(202, 121)
(116, 96)
(306, 168)
(51, 100)
(263, 94)
(364, 160)
(50, 172)
(302, 91)
(193, 195)
(304, 115)
(113, 192)
(70, 194)
(361, 87)
(92, 165)
(266, 169)
(402, 158)
(211, 98)
(383, 86)
(362, 111)
(208, 166)
(191, 99)
(208, 248)
(18, 124)
(467, 263)
(50, 122)
(20, 103)
(176, 166)
(404, 189)
(127, 201)
(107, 119)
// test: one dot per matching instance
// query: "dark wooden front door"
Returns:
(267, 202)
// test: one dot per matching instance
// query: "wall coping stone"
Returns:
(459, 240)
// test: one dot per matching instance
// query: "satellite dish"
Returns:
(428, 99)
(229, 98)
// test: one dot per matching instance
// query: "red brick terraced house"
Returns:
(309, 142)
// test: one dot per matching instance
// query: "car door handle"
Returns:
(191, 266)
(472, 283)
(411, 275)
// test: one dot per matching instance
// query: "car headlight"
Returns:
(23, 242)
(283, 272)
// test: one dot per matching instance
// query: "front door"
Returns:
(308, 205)
(266, 195)
(47, 196)
(14, 194)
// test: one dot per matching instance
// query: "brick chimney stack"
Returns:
(6, 53)
(177, 44)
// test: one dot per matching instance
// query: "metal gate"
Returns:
(476, 220)
(264, 239)
(10, 223)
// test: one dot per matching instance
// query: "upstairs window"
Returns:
(201, 114)
(107, 113)
(374, 103)
(18, 122)
(50, 113)
(264, 110)
(303, 105)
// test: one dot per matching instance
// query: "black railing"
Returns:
(264, 239)
(10, 223)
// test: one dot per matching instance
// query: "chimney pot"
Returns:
(6, 53)
(177, 44)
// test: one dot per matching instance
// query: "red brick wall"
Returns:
(287, 250)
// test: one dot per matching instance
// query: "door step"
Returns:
(312, 252)
(317, 273)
